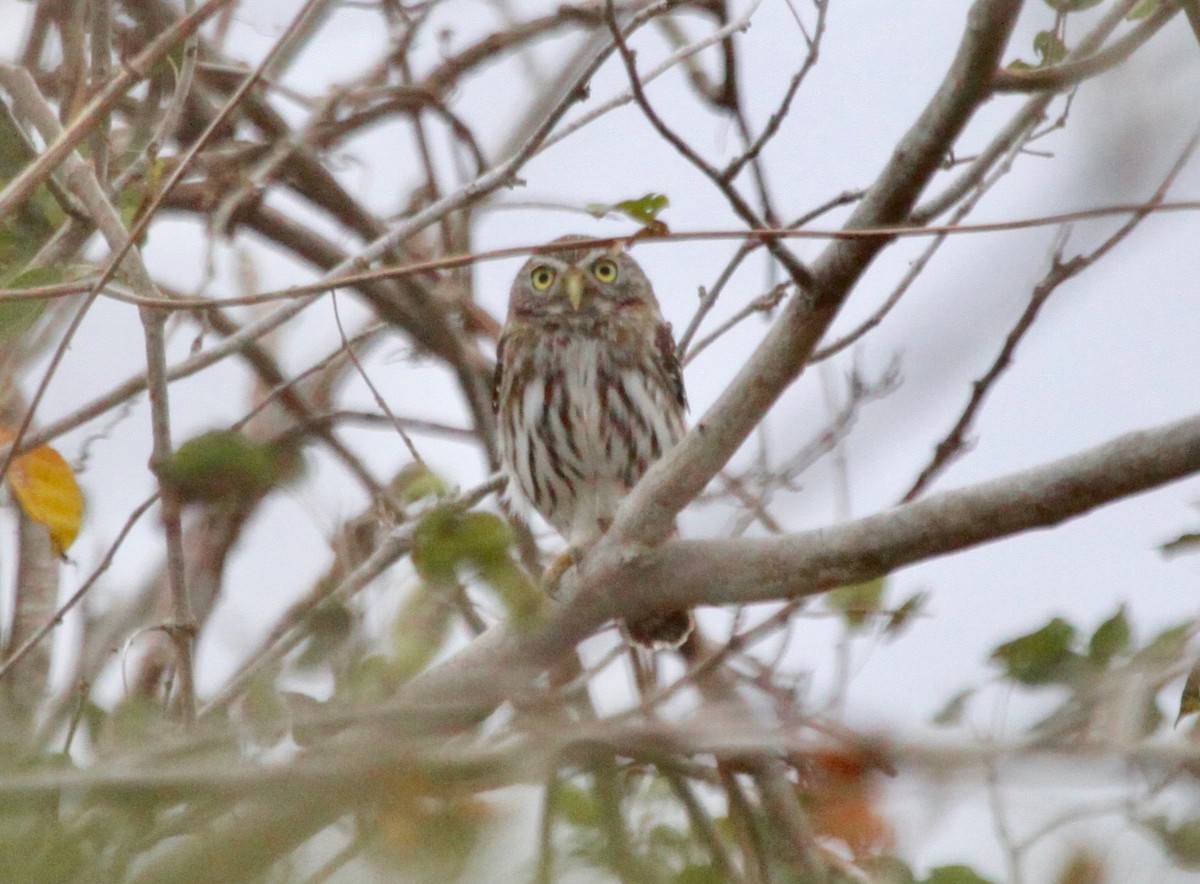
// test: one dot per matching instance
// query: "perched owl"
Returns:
(588, 394)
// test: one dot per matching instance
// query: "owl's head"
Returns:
(570, 280)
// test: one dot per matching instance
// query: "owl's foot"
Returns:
(559, 567)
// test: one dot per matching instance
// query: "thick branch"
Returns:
(633, 582)
(739, 571)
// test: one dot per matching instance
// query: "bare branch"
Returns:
(20, 187)
(953, 445)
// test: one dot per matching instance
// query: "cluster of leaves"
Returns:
(1091, 667)
(1104, 673)
(225, 465)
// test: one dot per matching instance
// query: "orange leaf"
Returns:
(843, 798)
(44, 485)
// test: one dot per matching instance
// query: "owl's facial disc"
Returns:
(574, 287)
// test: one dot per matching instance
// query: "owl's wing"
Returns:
(668, 361)
(498, 373)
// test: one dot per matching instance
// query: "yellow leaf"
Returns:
(45, 487)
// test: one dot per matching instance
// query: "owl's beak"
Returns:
(574, 284)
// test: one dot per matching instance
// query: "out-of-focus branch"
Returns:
(83, 184)
(21, 649)
(36, 591)
(20, 187)
(182, 627)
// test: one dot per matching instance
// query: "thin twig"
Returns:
(362, 372)
(20, 187)
(182, 627)
(952, 445)
(762, 304)
(795, 268)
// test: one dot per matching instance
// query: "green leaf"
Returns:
(522, 598)
(1041, 657)
(1166, 648)
(420, 630)
(903, 615)
(1072, 5)
(1110, 638)
(858, 601)
(18, 316)
(1189, 699)
(368, 679)
(328, 629)
(952, 713)
(699, 873)
(955, 874)
(261, 712)
(1184, 543)
(135, 721)
(416, 481)
(1049, 47)
(576, 805)
(1181, 841)
(1145, 9)
(447, 539)
(485, 537)
(222, 465)
(644, 209)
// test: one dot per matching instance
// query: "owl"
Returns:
(588, 393)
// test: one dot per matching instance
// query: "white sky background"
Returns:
(1115, 350)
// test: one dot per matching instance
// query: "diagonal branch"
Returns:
(649, 512)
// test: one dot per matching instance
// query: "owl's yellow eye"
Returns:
(542, 277)
(605, 270)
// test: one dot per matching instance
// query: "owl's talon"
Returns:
(562, 563)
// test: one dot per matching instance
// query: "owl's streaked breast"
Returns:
(590, 414)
